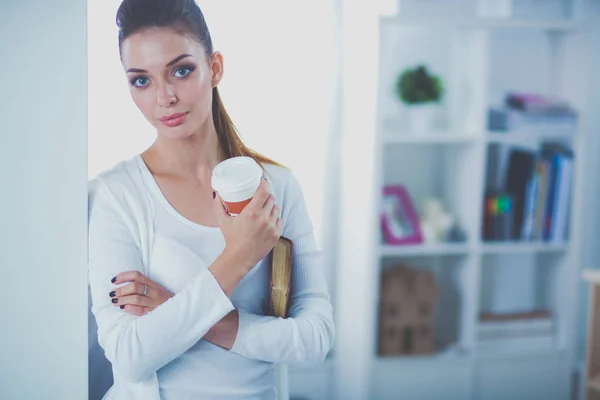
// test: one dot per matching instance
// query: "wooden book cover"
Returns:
(281, 275)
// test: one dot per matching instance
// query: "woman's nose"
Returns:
(166, 96)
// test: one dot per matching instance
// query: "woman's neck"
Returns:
(193, 158)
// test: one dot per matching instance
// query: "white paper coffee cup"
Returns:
(236, 180)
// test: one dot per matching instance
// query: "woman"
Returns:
(179, 288)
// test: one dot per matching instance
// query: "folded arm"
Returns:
(308, 333)
(139, 346)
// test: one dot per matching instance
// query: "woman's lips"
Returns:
(173, 120)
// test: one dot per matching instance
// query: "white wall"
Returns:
(43, 206)
(116, 128)
(591, 216)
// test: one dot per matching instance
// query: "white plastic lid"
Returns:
(236, 174)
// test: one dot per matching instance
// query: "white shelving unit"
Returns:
(442, 249)
(524, 248)
(479, 60)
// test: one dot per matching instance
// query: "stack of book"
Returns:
(537, 188)
(531, 113)
(534, 329)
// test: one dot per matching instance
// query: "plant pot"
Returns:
(421, 117)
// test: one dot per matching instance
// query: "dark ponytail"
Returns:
(185, 16)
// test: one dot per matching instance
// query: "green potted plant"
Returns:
(421, 91)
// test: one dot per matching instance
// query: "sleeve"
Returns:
(138, 346)
(307, 335)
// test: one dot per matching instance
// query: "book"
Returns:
(560, 159)
(521, 166)
(529, 122)
(498, 216)
(538, 183)
(530, 113)
(539, 211)
(530, 202)
(518, 345)
(545, 325)
(559, 226)
(515, 325)
(485, 317)
(281, 275)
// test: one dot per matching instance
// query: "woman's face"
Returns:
(171, 80)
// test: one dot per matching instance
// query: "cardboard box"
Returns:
(407, 312)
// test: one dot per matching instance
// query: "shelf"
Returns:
(523, 247)
(504, 354)
(430, 138)
(526, 136)
(457, 161)
(450, 354)
(491, 23)
(531, 135)
(516, 348)
(425, 250)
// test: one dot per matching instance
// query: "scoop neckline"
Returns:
(155, 189)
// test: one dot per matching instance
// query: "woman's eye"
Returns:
(182, 72)
(140, 82)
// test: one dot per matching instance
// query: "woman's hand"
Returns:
(251, 235)
(131, 297)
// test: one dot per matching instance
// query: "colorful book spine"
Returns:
(535, 202)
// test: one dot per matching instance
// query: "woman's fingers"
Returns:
(131, 289)
(268, 207)
(274, 214)
(136, 310)
(219, 210)
(139, 295)
(132, 276)
(134, 300)
(259, 199)
(133, 295)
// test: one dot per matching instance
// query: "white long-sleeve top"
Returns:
(161, 355)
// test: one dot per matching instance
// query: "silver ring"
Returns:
(145, 290)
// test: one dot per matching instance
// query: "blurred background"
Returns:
(448, 154)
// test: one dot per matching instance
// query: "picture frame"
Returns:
(399, 219)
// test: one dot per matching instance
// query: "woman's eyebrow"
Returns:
(173, 61)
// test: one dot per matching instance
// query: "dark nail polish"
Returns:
(214, 195)
(122, 307)
(113, 280)
(115, 300)
(265, 179)
(112, 294)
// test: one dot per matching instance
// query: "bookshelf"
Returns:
(452, 162)
(519, 247)
(442, 249)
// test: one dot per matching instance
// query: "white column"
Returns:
(43, 200)
(357, 266)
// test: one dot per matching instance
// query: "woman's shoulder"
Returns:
(123, 171)
(122, 181)
(284, 183)
(276, 172)
(280, 177)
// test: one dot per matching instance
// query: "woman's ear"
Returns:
(217, 68)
